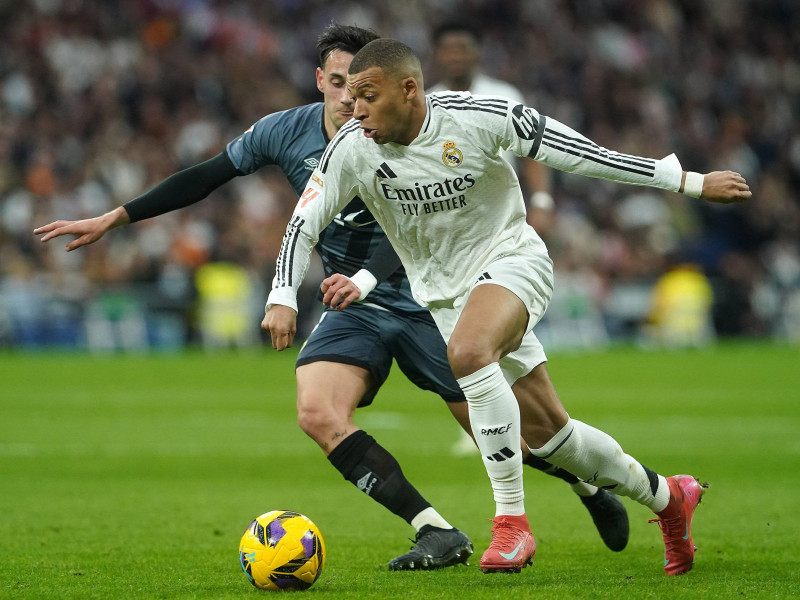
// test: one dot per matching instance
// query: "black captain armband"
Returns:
(537, 141)
(183, 188)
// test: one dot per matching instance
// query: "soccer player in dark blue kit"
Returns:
(354, 347)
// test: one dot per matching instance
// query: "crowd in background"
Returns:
(100, 101)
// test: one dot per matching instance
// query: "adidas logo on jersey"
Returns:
(385, 172)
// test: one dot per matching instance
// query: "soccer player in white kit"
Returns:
(429, 171)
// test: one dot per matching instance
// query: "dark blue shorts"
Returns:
(370, 338)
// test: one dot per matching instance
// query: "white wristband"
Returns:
(693, 186)
(365, 281)
(542, 200)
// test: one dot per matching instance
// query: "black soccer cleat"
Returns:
(434, 548)
(610, 517)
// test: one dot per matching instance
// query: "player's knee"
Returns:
(316, 418)
(466, 357)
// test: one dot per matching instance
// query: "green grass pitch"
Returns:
(134, 477)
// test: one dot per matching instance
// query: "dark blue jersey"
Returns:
(294, 140)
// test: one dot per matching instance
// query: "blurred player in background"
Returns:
(354, 349)
(429, 169)
(457, 63)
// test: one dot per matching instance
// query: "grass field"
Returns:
(134, 477)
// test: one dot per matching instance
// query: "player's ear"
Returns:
(410, 87)
(320, 78)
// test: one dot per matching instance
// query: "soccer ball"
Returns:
(282, 550)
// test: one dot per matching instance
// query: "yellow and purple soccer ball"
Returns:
(282, 550)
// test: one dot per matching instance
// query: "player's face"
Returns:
(382, 106)
(331, 81)
(457, 54)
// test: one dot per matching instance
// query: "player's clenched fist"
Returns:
(281, 324)
(725, 187)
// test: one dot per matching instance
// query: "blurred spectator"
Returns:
(224, 298)
(680, 315)
(102, 100)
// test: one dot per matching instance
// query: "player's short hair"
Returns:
(456, 26)
(347, 38)
(391, 56)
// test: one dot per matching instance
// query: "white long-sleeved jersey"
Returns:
(447, 202)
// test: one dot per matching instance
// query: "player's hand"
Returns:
(339, 291)
(86, 231)
(725, 187)
(281, 323)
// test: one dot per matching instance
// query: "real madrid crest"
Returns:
(451, 156)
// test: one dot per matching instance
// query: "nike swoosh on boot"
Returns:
(512, 554)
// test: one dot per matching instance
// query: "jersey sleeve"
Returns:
(256, 147)
(528, 133)
(563, 148)
(331, 186)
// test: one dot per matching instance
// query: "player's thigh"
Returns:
(494, 317)
(421, 355)
(352, 337)
(331, 388)
(506, 300)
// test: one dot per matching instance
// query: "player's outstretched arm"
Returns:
(563, 148)
(281, 323)
(176, 191)
(86, 231)
(722, 186)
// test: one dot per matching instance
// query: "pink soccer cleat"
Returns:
(512, 546)
(685, 493)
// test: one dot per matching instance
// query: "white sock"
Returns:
(583, 489)
(597, 459)
(495, 419)
(429, 516)
(661, 499)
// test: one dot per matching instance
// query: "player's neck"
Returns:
(415, 122)
(330, 129)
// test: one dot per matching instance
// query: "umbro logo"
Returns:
(311, 163)
(366, 482)
(385, 172)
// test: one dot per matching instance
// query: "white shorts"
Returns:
(530, 278)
